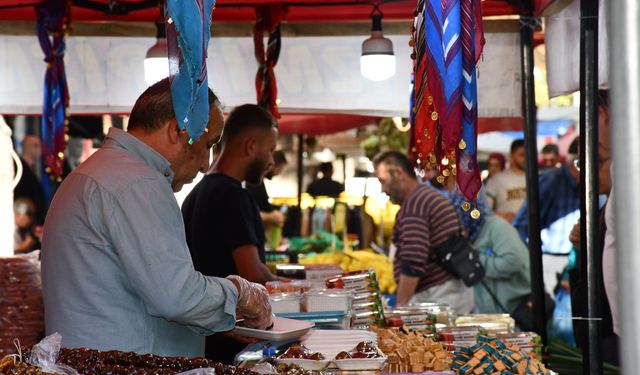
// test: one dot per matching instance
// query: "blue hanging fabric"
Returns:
(444, 72)
(52, 27)
(188, 31)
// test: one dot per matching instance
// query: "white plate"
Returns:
(361, 363)
(306, 364)
(283, 329)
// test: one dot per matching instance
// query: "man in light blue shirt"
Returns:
(116, 270)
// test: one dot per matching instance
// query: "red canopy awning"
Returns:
(298, 11)
(242, 11)
(319, 124)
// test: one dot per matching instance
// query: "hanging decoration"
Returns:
(472, 38)
(423, 115)
(188, 25)
(447, 40)
(268, 19)
(53, 19)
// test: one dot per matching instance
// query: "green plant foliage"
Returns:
(386, 138)
(567, 360)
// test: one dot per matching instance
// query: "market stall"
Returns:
(342, 289)
(330, 322)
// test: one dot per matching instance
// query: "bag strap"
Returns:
(494, 297)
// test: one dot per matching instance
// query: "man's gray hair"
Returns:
(154, 108)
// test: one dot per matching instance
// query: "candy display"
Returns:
(315, 274)
(367, 319)
(88, 361)
(528, 342)
(445, 316)
(21, 307)
(493, 356)
(410, 351)
(491, 323)
(352, 261)
(358, 282)
(455, 338)
(412, 319)
(367, 306)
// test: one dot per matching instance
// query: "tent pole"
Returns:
(589, 202)
(624, 40)
(527, 25)
(300, 171)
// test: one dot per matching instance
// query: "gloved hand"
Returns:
(253, 303)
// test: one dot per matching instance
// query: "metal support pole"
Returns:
(527, 24)
(592, 353)
(300, 168)
(343, 164)
(624, 40)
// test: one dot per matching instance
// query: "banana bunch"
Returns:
(359, 260)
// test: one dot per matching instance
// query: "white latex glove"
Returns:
(253, 303)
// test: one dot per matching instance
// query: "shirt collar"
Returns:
(149, 156)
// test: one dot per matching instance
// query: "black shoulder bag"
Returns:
(523, 313)
(459, 258)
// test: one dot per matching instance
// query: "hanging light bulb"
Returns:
(156, 62)
(377, 61)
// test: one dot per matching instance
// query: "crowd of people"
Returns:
(500, 234)
(119, 252)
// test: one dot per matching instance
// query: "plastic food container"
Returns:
(468, 333)
(358, 281)
(445, 316)
(491, 323)
(285, 302)
(328, 300)
(363, 320)
(293, 286)
(317, 273)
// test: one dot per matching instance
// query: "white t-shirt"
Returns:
(609, 267)
(507, 191)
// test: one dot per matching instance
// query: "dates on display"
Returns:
(364, 350)
(299, 351)
(94, 362)
(21, 307)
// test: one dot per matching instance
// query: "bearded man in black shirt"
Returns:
(224, 230)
